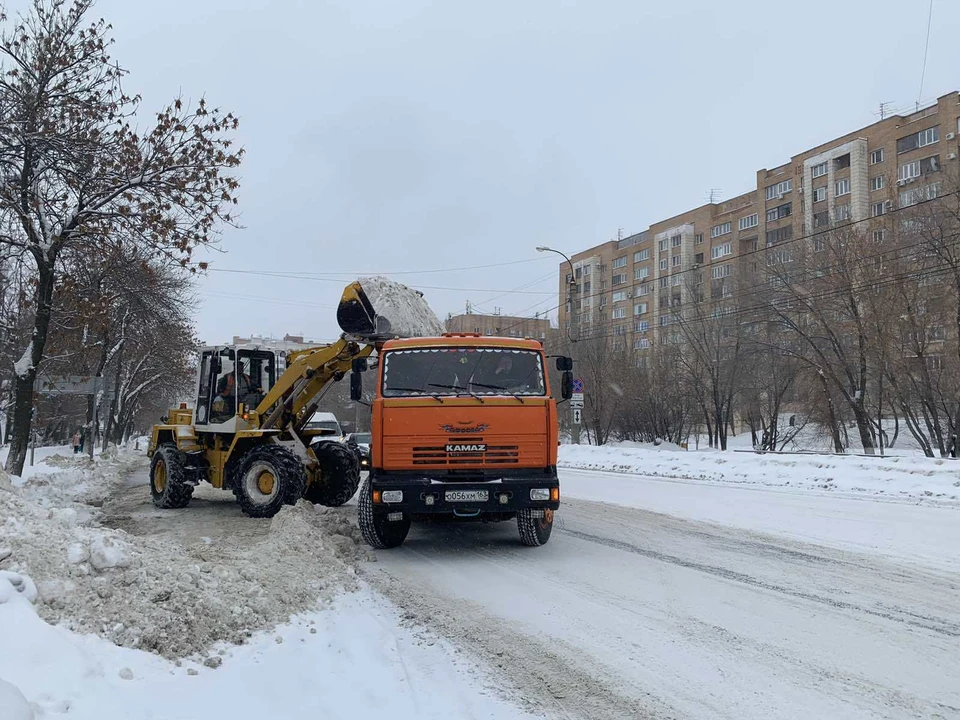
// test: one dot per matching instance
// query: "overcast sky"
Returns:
(406, 135)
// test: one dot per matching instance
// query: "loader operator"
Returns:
(225, 403)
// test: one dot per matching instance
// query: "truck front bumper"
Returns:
(426, 496)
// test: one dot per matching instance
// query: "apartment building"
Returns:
(500, 325)
(631, 290)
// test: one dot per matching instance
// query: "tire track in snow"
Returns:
(932, 624)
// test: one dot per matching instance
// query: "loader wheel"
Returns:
(168, 485)
(339, 475)
(377, 530)
(267, 478)
(534, 530)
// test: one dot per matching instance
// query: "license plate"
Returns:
(467, 495)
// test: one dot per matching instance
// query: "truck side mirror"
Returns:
(356, 385)
(566, 385)
(564, 364)
(360, 365)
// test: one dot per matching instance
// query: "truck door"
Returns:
(205, 382)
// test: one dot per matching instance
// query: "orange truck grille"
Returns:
(465, 451)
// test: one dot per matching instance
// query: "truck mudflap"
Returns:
(465, 499)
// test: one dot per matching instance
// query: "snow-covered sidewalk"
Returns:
(911, 478)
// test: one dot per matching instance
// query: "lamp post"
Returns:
(571, 293)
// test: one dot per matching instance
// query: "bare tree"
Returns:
(74, 171)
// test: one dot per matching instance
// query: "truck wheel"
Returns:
(339, 475)
(168, 484)
(267, 478)
(377, 530)
(534, 530)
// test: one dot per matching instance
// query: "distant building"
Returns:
(499, 325)
(282, 346)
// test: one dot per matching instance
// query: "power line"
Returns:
(345, 273)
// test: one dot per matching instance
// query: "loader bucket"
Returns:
(377, 309)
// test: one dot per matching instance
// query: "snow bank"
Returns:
(912, 478)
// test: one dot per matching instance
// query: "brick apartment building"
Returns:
(502, 325)
(628, 289)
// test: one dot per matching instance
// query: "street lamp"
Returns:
(571, 286)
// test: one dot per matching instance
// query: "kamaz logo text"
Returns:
(451, 448)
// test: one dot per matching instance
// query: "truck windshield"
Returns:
(461, 370)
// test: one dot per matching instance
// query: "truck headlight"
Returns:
(535, 494)
(392, 496)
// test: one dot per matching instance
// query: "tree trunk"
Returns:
(27, 377)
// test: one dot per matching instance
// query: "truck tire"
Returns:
(339, 475)
(379, 532)
(267, 478)
(168, 485)
(534, 531)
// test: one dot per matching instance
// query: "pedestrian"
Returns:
(76, 442)
(81, 442)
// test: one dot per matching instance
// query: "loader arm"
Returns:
(309, 372)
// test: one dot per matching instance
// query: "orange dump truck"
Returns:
(463, 428)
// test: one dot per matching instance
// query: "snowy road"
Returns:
(629, 613)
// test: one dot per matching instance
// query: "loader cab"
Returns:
(232, 380)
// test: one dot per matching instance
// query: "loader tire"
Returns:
(534, 530)
(379, 532)
(339, 475)
(168, 485)
(267, 478)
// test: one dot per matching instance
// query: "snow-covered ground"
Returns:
(278, 608)
(913, 477)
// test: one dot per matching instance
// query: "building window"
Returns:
(619, 279)
(675, 261)
(878, 236)
(663, 264)
(918, 139)
(819, 244)
(586, 269)
(664, 320)
(643, 289)
(603, 300)
(750, 221)
(841, 213)
(640, 308)
(719, 230)
(620, 262)
(676, 279)
(779, 190)
(820, 170)
(664, 282)
(877, 183)
(721, 271)
(878, 209)
(908, 171)
(641, 273)
(820, 194)
(842, 162)
(641, 344)
(698, 238)
(619, 313)
(876, 156)
(779, 235)
(675, 241)
(721, 251)
(843, 187)
(663, 244)
(781, 211)
(620, 295)
(912, 197)
(641, 255)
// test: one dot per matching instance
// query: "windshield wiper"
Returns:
(498, 387)
(416, 390)
(460, 390)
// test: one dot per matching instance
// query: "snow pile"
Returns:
(913, 478)
(152, 593)
(401, 311)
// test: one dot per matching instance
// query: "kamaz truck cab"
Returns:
(463, 427)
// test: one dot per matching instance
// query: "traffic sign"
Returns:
(578, 386)
(577, 414)
(577, 399)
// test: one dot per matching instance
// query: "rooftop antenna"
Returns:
(469, 308)
(926, 47)
(619, 234)
(715, 195)
(883, 110)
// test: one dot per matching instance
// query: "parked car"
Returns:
(327, 424)
(360, 442)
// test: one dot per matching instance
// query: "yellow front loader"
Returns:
(247, 431)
